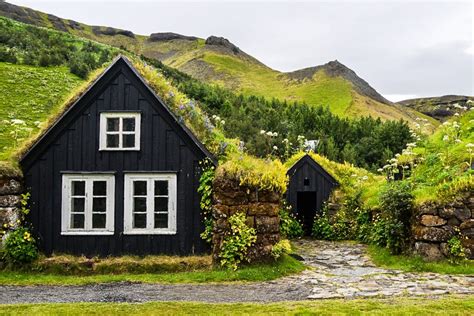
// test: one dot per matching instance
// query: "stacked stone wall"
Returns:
(261, 208)
(10, 197)
(435, 224)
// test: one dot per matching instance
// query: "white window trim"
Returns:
(66, 204)
(121, 116)
(128, 203)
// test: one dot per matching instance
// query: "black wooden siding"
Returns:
(319, 181)
(73, 145)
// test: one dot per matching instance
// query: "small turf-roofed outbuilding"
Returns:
(116, 174)
(309, 187)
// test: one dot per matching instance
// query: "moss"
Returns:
(265, 174)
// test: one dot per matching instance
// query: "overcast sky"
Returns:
(403, 49)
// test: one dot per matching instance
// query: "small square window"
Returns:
(161, 187)
(113, 124)
(119, 131)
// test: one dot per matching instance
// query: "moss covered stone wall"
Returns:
(434, 224)
(261, 208)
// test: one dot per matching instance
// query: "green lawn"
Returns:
(262, 272)
(383, 258)
(398, 306)
(29, 95)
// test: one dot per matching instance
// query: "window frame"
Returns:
(120, 115)
(129, 178)
(66, 212)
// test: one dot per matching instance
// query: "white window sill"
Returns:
(149, 232)
(119, 149)
(87, 233)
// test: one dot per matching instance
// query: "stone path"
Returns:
(343, 270)
(339, 270)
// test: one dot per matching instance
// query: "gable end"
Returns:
(120, 66)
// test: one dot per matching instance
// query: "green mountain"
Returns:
(217, 60)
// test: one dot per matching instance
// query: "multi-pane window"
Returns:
(119, 131)
(88, 203)
(150, 203)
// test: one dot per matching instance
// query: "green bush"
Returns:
(236, 242)
(20, 247)
(322, 228)
(456, 250)
(280, 248)
(205, 189)
(290, 227)
(392, 229)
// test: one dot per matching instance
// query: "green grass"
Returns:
(30, 94)
(396, 306)
(383, 258)
(262, 272)
(259, 80)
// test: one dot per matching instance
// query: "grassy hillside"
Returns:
(222, 63)
(437, 167)
(29, 96)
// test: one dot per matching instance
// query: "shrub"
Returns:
(20, 247)
(456, 250)
(236, 242)
(206, 190)
(290, 227)
(280, 248)
(392, 229)
(322, 228)
(79, 68)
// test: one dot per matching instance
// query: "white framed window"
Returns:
(87, 204)
(150, 204)
(119, 131)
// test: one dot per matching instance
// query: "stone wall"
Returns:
(10, 198)
(261, 209)
(435, 224)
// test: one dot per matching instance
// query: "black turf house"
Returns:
(116, 174)
(310, 186)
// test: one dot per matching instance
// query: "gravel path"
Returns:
(341, 270)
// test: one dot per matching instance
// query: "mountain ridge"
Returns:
(217, 60)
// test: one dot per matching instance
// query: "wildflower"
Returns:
(223, 122)
(380, 170)
(364, 178)
(269, 134)
(275, 147)
(275, 134)
(470, 145)
(457, 140)
(456, 114)
(285, 140)
(18, 122)
(445, 138)
(262, 132)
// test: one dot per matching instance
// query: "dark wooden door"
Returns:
(306, 209)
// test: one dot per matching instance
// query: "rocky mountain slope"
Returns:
(217, 60)
(440, 108)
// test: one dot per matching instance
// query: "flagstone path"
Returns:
(338, 270)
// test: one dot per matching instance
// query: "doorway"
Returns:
(306, 209)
